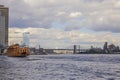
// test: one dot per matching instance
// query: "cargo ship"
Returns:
(17, 51)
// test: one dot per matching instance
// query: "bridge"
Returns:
(65, 51)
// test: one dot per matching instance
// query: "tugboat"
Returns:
(17, 51)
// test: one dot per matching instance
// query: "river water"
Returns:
(61, 67)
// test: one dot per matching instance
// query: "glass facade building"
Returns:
(4, 11)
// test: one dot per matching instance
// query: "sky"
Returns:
(63, 23)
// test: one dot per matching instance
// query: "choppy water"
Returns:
(61, 67)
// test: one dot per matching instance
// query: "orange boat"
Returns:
(17, 51)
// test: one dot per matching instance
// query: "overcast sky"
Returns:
(62, 23)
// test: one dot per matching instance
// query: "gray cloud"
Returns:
(97, 15)
(52, 38)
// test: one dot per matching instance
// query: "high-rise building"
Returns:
(4, 15)
(26, 39)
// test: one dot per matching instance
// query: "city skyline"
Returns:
(59, 23)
